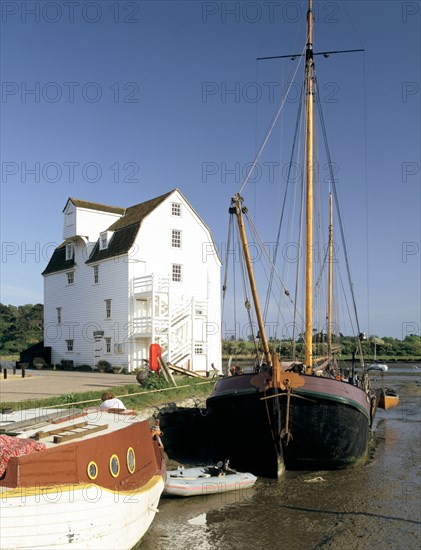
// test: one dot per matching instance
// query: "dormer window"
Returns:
(104, 239)
(70, 251)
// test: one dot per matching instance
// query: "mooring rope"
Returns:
(126, 395)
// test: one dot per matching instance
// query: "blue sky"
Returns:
(131, 99)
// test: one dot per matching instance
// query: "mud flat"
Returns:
(374, 506)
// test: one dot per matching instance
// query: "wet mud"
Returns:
(374, 506)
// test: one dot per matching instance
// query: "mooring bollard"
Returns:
(5, 373)
(14, 370)
(23, 372)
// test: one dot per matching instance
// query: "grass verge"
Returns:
(186, 387)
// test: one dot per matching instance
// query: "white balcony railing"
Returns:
(145, 285)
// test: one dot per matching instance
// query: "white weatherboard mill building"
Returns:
(127, 277)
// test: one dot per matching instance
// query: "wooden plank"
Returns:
(40, 435)
(164, 372)
(180, 370)
(75, 435)
(69, 417)
(167, 371)
(31, 422)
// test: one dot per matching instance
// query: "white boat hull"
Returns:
(194, 482)
(85, 516)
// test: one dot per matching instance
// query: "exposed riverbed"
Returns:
(374, 506)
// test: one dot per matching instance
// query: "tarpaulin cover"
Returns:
(16, 446)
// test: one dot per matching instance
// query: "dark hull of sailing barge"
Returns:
(328, 421)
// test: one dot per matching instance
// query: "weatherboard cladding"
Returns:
(124, 232)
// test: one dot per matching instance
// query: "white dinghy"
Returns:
(206, 480)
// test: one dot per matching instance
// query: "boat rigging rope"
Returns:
(346, 304)
(224, 286)
(289, 301)
(278, 236)
(286, 435)
(272, 125)
(335, 195)
(246, 289)
(281, 285)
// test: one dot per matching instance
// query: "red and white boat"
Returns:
(92, 479)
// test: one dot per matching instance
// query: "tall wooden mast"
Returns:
(330, 280)
(237, 209)
(309, 87)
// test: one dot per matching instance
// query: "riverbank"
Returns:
(48, 388)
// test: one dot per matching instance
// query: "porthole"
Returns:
(114, 465)
(131, 460)
(92, 470)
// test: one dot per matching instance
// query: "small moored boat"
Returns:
(206, 480)
(387, 399)
(381, 367)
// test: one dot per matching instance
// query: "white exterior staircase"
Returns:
(160, 315)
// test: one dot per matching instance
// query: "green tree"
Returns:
(20, 326)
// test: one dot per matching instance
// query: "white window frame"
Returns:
(176, 209)
(70, 252)
(96, 274)
(103, 240)
(107, 308)
(176, 238)
(70, 277)
(198, 349)
(177, 273)
(118, 348)
(107, 345)
(70, 345)
(58, 310)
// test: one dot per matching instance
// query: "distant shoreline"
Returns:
(367, 358)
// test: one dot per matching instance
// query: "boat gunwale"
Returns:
(239, 392)
(22, 491)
